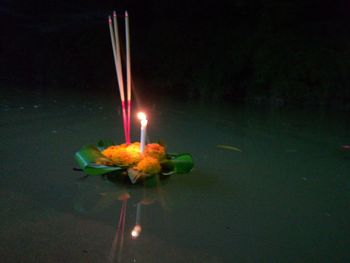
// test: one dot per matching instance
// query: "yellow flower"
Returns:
(124, 155)
(148, 165)
(155, 150)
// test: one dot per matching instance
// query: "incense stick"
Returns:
(128, 69)
(117, 61)
(120, 75)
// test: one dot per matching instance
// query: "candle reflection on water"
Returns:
(149, 197)
(135, 233)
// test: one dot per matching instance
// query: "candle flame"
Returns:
(141, 116)
(143, 122)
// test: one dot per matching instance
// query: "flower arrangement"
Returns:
(106, 158)
(122, 155)
(130, 156)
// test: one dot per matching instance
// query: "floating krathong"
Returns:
(138, 161)
(124, 160)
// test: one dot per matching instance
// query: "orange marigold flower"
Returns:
(124, 155)
(149, 165)
(155, 150)
(104, 161)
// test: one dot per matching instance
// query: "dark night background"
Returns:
(262, 52)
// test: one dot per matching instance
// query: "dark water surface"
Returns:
(285, 197)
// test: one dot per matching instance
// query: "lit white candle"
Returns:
(142, 117)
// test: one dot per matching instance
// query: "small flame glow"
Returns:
(141, 116)
(143, 123)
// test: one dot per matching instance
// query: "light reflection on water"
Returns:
(98, 197)
(117, 248)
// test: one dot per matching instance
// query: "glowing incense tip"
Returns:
(114, 13)
(126, 13)
(109, 20)
(141, 116)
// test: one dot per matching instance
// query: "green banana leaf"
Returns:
(86, 159)
(87, 156)
(178, 163)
